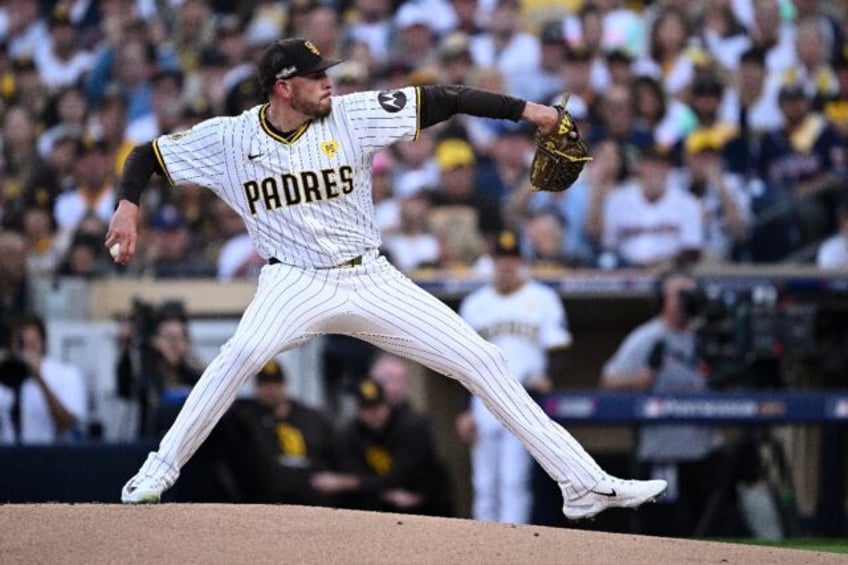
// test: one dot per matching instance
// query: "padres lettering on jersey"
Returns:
(290, 189)
(305, 200)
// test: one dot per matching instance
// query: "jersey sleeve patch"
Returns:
(392, 100)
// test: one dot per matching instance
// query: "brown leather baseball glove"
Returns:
(560, 155)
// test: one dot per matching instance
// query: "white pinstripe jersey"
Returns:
(306, 201)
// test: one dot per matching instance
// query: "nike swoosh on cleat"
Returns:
(610, 494)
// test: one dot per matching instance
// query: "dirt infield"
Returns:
(218, 533)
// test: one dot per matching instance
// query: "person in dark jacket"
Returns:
(387, 461)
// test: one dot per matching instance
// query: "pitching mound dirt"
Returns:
(219, 533)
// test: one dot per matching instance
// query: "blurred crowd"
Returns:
(718, 128)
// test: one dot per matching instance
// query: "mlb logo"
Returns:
(840, 408)
(653, 408)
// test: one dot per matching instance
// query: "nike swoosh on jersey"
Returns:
(254, 156)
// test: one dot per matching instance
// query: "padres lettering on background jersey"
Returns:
(306, 201)
(523, 324)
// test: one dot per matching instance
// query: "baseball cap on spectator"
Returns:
(60, 16)
(705, 139)
(453, 46)
(87, 144)
(707, 85)
(175, 75)
(169, 218)
(579, 53)
(228, 25)
(577, 107)
(657, 153)
(411, 183)
(369, 393)
(412, 14)
(352, 72)
(23, 63)
(213, 57)
(792, 91)
(508, 244)
(552, 32)
(288, 58)
(454, 152)
(271, 372)
(618, 55)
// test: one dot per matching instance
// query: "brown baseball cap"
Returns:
(289, 58)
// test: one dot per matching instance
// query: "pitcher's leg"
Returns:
(402, 318)
(286, 301)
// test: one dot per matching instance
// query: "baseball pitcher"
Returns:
(297, 170)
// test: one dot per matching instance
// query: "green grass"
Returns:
(829, 545)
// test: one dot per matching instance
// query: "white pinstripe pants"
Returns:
(378, 304)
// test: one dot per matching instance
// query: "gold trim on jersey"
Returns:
(270, 130)
(417, 113)
(162, 162)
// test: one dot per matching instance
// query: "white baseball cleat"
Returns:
(143, 490)
(612, 492)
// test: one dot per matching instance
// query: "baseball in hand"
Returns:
(115, 250)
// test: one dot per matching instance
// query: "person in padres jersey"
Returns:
(526, 320)
(298, 171)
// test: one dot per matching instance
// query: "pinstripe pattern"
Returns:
(326, 165)
(293, 305)
(321, 233)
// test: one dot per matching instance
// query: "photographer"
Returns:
(661, 356)
(156, 366)
(44, 399)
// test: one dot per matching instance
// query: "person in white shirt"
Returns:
(833, 252)
(53, 397)
(653, 220)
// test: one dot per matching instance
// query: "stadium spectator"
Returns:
(413, 246)
(666, 117)
(386, 204)
(44, 250)
(617, 121)
(60, 59)
(669, 59)
(505, 46)
(796, 160)
(20, 163)
(66, 118)
(652, 220)
(94, 191)
(15, 299)
(172, 253)
(723, 197)
(387, 461)
(833, 252)
(53, 398)
(273, 443)
(157, 367)
(464, 217)
(236, 256)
